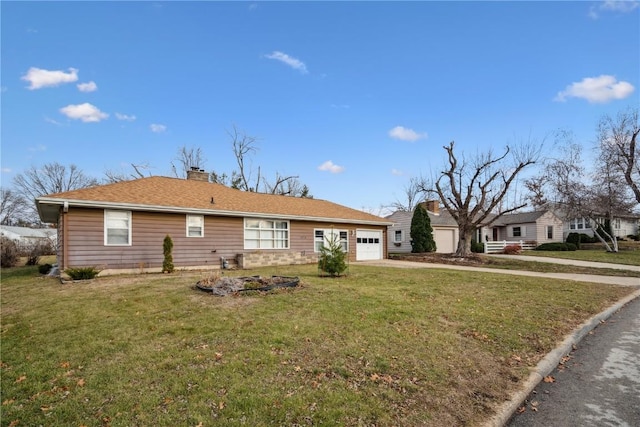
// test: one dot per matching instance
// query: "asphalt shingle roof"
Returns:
(185, 194)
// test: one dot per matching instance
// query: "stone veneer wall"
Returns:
(265, 259)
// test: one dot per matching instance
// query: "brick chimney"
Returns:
(197, 174)
(433, 206)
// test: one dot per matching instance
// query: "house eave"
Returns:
(48, 209)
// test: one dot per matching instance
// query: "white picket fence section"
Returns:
(498, 247)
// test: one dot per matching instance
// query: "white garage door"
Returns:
(368, 245)
(445, 241)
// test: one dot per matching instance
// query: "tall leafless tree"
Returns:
(412, 195)
(49, 179)
(617, 139)
(472, 189)
(12, 207)
(137, 171)
(186, 159)
(576, 193)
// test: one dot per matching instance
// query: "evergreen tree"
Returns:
(421, 231)
(167, 249)
(332, 258)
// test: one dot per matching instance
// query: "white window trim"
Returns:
(105, 231)
(549, 228)
(395, 236)
(287, 241)
(328, 232)
(523, 231)
(189, 224)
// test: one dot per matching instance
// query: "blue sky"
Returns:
(353, 97)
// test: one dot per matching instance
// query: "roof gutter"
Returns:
(65, 203)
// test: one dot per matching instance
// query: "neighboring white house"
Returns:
(445, 230)
(25, 236)
(622, 226)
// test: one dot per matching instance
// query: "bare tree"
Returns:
(137, 171)
(243, 147)
(186, 159)
(51, 178)
(12, 207)
(569, 188)
(287, 186)
(473, 189)
(618, 143)
(413, 195)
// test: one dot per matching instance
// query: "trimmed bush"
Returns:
(82, 273)
(556, 246)
(9, 253)
(512, 249)
(44, 268)
(574, 238)
(477, 247)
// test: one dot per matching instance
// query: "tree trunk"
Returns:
(464, 242)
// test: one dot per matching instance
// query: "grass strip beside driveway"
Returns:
(379, 347)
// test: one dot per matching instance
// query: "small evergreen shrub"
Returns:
(167, 249)
(44, 268)
(421, 231)
(332, 259)
(574, 238)
(477, 247)
(585, 238)
(512, 249)
(9, 253)
(556, 246)
(82, 273)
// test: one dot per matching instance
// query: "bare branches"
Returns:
(12, 207)
(186, 159)
(51, 178)
(473, 190)
(114, 176)
(618, 139)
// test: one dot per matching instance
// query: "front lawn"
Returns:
(379, 347)
(628, 256)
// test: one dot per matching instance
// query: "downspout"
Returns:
(65, 236)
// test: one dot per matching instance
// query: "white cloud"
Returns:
(85, 112)
(38, 147)
(331, 167)
(289, 60)
(406, 134)
(6, 170)
(125, 117)
(53, 122)
(156, 128)
(626, 6)
(396, 172)
(87, 87)
(599, 89)
(39, 78)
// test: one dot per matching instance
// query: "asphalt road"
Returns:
(598, 384)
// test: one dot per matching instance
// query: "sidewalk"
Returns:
(570, 262)
(609, 280)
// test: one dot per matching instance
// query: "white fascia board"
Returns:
(212, 212)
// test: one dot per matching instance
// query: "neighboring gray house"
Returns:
(539, 226)
(445, 230)
(25, 236)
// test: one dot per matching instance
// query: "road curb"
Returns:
(551, 360)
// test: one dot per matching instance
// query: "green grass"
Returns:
(627, 257)
(379, 347)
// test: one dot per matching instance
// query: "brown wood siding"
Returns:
(223, 237)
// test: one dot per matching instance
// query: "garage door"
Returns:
(368, 245)
(445, 241)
